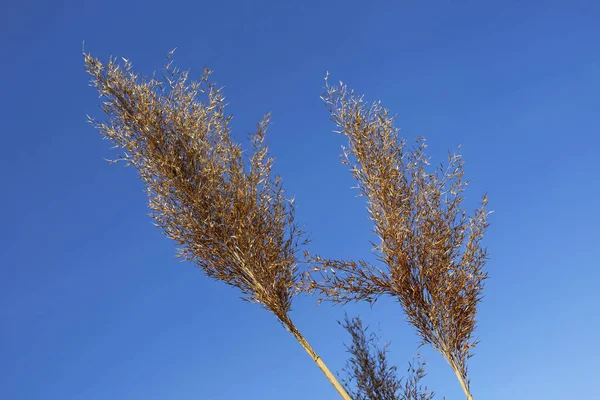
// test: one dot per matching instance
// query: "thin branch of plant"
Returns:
(430, 249)
(228, 214)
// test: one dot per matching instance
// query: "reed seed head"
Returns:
(430, 249)
(226, 211)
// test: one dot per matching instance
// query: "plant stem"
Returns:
(462, 381)
(318, 360)
(452, 364)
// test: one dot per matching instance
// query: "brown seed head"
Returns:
(228, 215)
(430, 248)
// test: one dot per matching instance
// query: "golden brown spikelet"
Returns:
(429, 247)
(229, 215)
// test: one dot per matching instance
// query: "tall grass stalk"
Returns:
(227, 213)
(429, 247)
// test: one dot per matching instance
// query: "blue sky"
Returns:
(92, 302)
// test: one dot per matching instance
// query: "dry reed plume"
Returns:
(430, 247)
(229, 216)
(368, 369)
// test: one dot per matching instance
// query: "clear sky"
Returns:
(93, 304)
